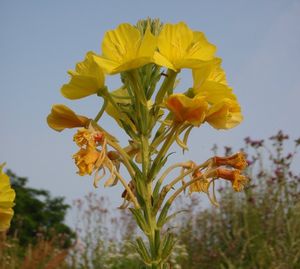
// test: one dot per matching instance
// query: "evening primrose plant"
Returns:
(148, 57)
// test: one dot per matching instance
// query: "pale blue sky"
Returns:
(259, 42)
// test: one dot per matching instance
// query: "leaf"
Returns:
(167, 219)
(137, 213)
(142, 250)
(163, 214)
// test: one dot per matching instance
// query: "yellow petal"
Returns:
(125, 48)
(108, 66)
(132, 64)
(225, 114)
(62, 117)
(88, 79)
(217, 74)
(210, 81)
(122, 43)
(189, 63)
(5, 218)
(148, 44)
(7, 197)
(211, 71)
(182, 47)
(163, 61)
(215, 92)
(174, 40)
(201, 48)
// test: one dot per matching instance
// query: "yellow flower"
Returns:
(62, 117)
(224, 115)
(7, 197)
(87, 79)
(210, 81)
(125, 48)
(192, 110)
(237, 180)
(180, 47)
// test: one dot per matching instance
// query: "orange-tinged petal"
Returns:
(62, 117)
(237, 180)
(192, 110)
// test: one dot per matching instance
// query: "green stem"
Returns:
(156, 165)
(99, 115)
(140, 101)
(183, 187)
(145, 154)
(124, 155)
(164, 175)
(125, 185)
(167, 86)
(169, 186)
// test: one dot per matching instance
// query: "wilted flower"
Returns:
(86, 159)
(200, 185)
(237, 160)
(92, 155)
(237, 180)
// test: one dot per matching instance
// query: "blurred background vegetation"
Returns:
(259, 228)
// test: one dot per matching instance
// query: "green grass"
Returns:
(259, 228)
